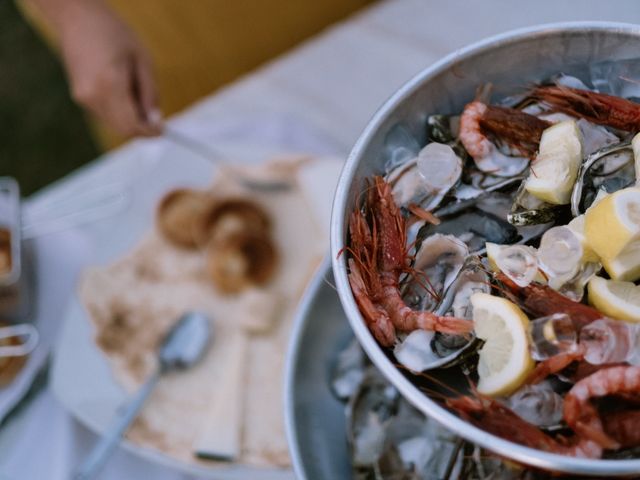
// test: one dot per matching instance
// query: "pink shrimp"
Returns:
(595, 107)
(541, 300)
(513, 127)
(474, 141)
(497, 419)
(379, 255)
(582, 416)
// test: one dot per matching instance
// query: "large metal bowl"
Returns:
(509, 61)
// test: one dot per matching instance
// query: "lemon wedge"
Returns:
(615, 299)
(626, 266)
(577, 227)
(555, 168)
(505, 361)
(493, 250)
(612, 226)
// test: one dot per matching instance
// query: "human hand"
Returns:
(109, 70)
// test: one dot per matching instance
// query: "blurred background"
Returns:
(197, 46)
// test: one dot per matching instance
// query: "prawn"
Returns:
(499, 420)
(379, 255)
(513, 127)
(595, 107)
(541, 301)
(580, 413)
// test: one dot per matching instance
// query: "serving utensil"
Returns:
(268, 185)
(182, 347)
(26, 332)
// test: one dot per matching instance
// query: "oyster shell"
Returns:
(440, 258)
(609, 169)
(474, 227)
(422, 350)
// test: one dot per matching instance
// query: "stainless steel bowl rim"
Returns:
(517, 452)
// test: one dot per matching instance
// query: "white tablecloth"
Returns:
(316, 98)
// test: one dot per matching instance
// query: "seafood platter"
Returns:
(486, 245)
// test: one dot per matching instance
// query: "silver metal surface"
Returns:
(183, 346)
(510, 62)
(314, 418)
(28, 335)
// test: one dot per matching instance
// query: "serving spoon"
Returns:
(181, 348)
(266, 185)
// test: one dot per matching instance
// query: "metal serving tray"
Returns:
(508, 61)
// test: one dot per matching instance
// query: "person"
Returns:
(196, 46)
(102, 54)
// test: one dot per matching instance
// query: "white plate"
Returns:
(81, 377)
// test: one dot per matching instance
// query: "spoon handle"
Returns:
(103, 449)
(194, 145)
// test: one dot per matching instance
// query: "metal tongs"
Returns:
(28, 335)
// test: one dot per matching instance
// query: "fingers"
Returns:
(123, 96)
(147, 95)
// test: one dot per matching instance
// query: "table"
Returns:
(329, 86)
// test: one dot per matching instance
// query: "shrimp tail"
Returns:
(445, 324)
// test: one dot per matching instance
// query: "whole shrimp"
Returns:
(541, 301)
(501, 421)
(379, 255)
(513, 127)
(580, 413)
(595, 107)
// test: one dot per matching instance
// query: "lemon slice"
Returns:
(626, 266)
(612, 226)
(504, 358)
(577, 227)
(615, 299)
(555, 168)
(493, 250)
